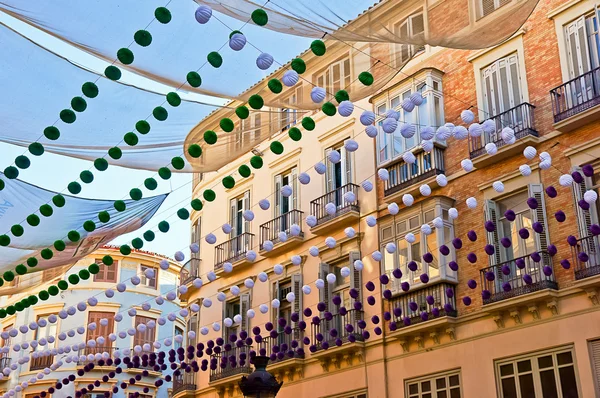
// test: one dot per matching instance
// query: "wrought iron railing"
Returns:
(318, 206)
(270, 230)
(233, 250)
(4, 362)
(576, 95)
(323, 331)
(516, 277)
(225, 367)
(586, 257)
(94, 350)
(284, 342)
(430, 302)
(520, 119)
(41, 362)
(190, 271)
(184, 382)
(403, 175)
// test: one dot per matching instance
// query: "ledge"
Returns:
(281, 247)
(336, 222)
(519, 301)
(505, 151)
(579, 120)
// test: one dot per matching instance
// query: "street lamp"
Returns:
(260, 383)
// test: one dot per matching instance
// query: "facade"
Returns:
(532, 327)
(122, 270)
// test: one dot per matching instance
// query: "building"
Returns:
(532, 327)
(121, 270)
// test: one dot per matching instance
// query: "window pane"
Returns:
(413, 222)
(509, 389)
(453, 380)
(429, 215)
(426, 386)
(440, 383)
(415, 249)
(526, 386)
(545, 362)
(568, 384)
(413, 388)
(524, 366)
(506, 370)
(432, 247)
(402, 252)
(442, 394)
(564, 358)
(455, 393)
(548, 382)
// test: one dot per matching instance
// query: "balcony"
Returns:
(524, 276)
(287, 362)
(574, 103)
(224, 371)
(95, 350)
(521, 120)
(4, 363)
(185, 382)
(270, 231)
(234, 251)
(40, 362)
(345, 212)
(588, 247)
(404, 177)
(190, 271)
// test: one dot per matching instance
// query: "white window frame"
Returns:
(347, 167)
(323, 79)
(292, 174)
(196, 236)
(245, 198)
(432, 378)
(497, 5)
(493, 72)
(411, 49)
(145, 280)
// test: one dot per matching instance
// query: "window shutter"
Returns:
(347, 164)
(355, 275)
(111, 272)
(491, 214)
(594, 348)
(324, 295)
(233, 216)
(297, 290)
(193, 326)
(294, 177)
(246, 207)
(278, 195)
(329, 173)
(276, 312)
(584, 218)
(224, 330)
(244, 307)
(539, 215)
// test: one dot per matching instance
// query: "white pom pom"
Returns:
(475, 130)
(203, 14)
(275, 303)
(235, 290)
(565, 180)
(441, 180)
(330, 242)
(408, 105)
(467, 165)
(320, 168)
(390, 113)
(507, 135)
(282, 236)
(409, 157)
(250, 255)
(311, 221)
(216, 326)
(237, 41)
(304, 178)
(264, 61)
(197, 283)
(263, 308)
(376, 255)
(345, 108)
(367, 118)
(590, 196)
(467, 116)
(351, 145)
(438, 223)
(471, 202)
(330, 278)
(296, 259)
(393, 208)
(295, 230)
(195, 248)
(278, 269)
(416, 99)
(408, 130)
(529, 152)
(425, 190)
(358, 265)
(371, 131)
(249, 283)
(545, 156)
(367, 185)
(460, 132)
(371, 221)
(410, 237)
(427, 145)
(525, 170)
(317, 95)
(226, 228)
(320, 284)
(263, 277)
(264, 204)
(334, 156)
(390, 247)
(248, 215)
(250, 313)
(211, 276)
(427, 133)
(313, 251)
(491, 148)
(453, 213)
(545, 165)
(389, 125)
(330, 208)
(498, 186)
(306, 289)
(383, 174)
(211, 239)
(135, 280)
(286, 191)
(290, 78)
(349, 197)
(408, 199)
(443, 133)
(489, 126)
(426, 229)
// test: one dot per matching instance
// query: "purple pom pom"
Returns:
(472, 236)
(406, 321)
(328, 315)
(577, 177)
(560, 216)
(535, 256)
(352, 338)
(466, 300)
(393, 326)
(505, 242)
(588, 170)
(524, 233)
(354, 293)
(506, 287)
(489, 250)
(337, 300)
(583, 204)
(453, 265)
(449, 292)
(430, 299)
(472, 258)
(489, 226)
(387, 316)
(412, 266)
(428, 258)
(366, 334)
(371, 300)
(583, 257)
(349, 328)
(387, 294)
(316, 320)
(397, 312)
(321, 307)
(435, 312)
(457, 243)
(413, 306)
(527, 279)
(307, 312)
(405, 286)
(295, 318)
(424, 316)
(572, 240)
(384, 279)
(424, 278)
(551, 191)
(595, 229)
(565, 264)
(448, 307)
(472, 283)
(510, 215)
(444, 250)
(362, 324)
(370, 286)
(377, 331)
(547, 270)
(538, 227)
(552, 250)
(505, 270)
(485, 294)
(397, 273)
(357, 305)
(532, 203)
(490, 276)
(375, 319)
(343, 311)
(520, 263)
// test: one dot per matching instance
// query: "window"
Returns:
(50, 274)
(196, 179)
(96, 394)
(289, 116)
(340, 173)
(583, 45)
(336, 77)
(547, 374)
(106, 273)
(434, 386)
(6, 343)
(104, 331)
(147, 337)
(285, 204)
(412, 28)
(585, 219)
(51, 329)
(486, 7)
(250, 131)
(132, 395)
(502, 87)
(149, 282)
(594, 348)
(286, 309)
(429, 113)
(192, 326)
(237, 306)
(237, 207)
(197, 235)
(342, 285)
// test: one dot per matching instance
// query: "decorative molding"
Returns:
(283, 159)
(360, 355)
(335, 360)
(221, 392)
(499, 320)
(404, 343)
(533, 308)
(300, 371)
(592, 294)
(347, 358)
(552, 306)
(420, 340)
(337, 129)
(451, 332)
(324, 364)
(516, 315)
(435, 337)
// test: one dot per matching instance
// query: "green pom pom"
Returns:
(164, 173)
(255, 101)
(215, 59)
(46, 210)
(8, 276)
(53, 290)
(52, 133)
(131, 139)
(135, 194)
(78, 104)
(275, 86)
(101, 164)
(143, 38)
(73, 236)
(21, 269)
(160, 113)
(33, 220)
(276, 147)
(74, 187)
(125, 55)
(73, 279)
(195, 150)
(142, 126)
(120, 205)
(365, 78)
(104, 216)
(196, 204)
(17, 230)
(162, 15)
(36, 149)
(194, 79)
(115, 153)
(149, 236)
(299, 65)
(125, 250)
(32, 262)
(107, 260)
(209, 195)
(58, 200)
(318, 48)
(341, 95)
(43, 295)
(67, 116)
(84, 274)
(47, 254)
(242, 112)
(256, 162)
(4, 240)
(228, 182)
(112, 72)
(32, 300)
(183, 213)
(10, 310)
(94, 269)
(329, 109)
(244, 171)
(11, 172)
(137, 243)
(59, 245)
(308, 123)
(163, 226)
(22, 162)
(19, 307)
(173, 99)
(89, 226)
(259, 17)
(2, 185)
(86, 176)
(178, 163)
(210, 137)
(295, 134)
(150, 184)
(62, 285)
(89, 89)
(226, 124)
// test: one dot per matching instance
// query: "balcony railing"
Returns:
(222, 365)
(184, 382)
(336, 197)
(576, 95)
(587, 249)
(94, 350)
(520, 119)
(4, 362)
(339, 323)
(190, 271)
(433, 301)
(40, 362)
(270, 230)
(403, 175)
(524, 276)
(233, 250)
(284, 342)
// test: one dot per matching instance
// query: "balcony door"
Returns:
(338, 174)
(283, 204)
(239, 226)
